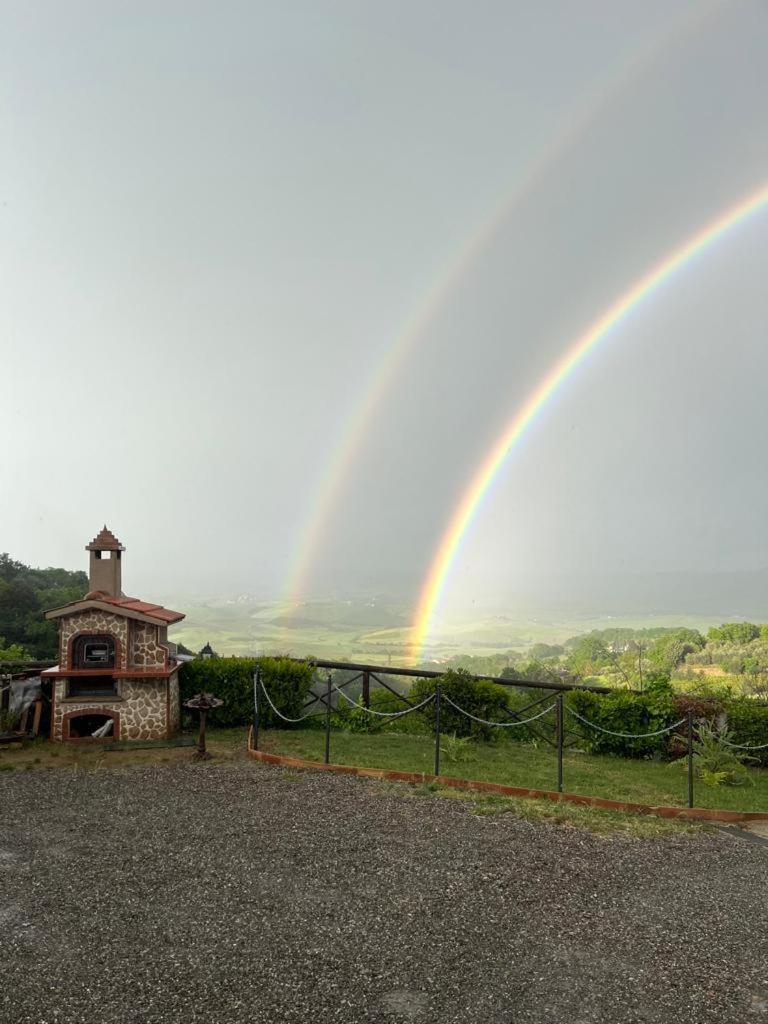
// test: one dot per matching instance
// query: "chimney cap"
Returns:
(105, 541)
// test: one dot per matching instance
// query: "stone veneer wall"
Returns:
(175, 702)
(142, 708)
(93, 621)
(146, 651)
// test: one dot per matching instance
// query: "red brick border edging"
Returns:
(699, 813)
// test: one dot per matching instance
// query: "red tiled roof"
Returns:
(105, 541)
(133, 604)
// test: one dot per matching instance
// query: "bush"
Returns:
(477, 696)
(354, 719)
(715, 761)
(288, 683)
(748, 722)
(703, 710)
(623, 711)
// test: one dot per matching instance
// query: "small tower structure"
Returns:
(105, 570)
(117, 677)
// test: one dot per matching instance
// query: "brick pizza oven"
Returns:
(117, 674)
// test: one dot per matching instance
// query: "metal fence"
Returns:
(440, 699)
(350, 674)
(332, 692)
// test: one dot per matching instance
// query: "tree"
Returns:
(25, 594)
(540, 651)
(734, 633)
(590, 655)
(671, 650)
(14, 652)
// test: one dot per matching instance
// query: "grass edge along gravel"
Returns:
(525, 765)
(597, 821)
(228, 747)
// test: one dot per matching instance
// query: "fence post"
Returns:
(366, 689)
(559, 715)
(438, 694)
(690, 757)
(328, 721)
(256, 716)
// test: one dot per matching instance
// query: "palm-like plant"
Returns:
(715, 761)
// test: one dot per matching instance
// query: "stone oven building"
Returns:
(117, 674)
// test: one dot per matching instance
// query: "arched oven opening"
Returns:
(91, 724)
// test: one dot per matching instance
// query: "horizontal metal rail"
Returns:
(428, 673)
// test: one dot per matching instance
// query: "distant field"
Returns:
(363, 631)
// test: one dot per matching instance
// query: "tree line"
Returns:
(25, 594)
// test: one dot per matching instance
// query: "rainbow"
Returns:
(548, 387)
(357, 425)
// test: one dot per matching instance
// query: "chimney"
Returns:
(105, 568)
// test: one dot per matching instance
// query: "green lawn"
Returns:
(522, 764)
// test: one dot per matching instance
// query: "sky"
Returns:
(216, 220)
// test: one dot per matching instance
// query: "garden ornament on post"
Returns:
(202, 702)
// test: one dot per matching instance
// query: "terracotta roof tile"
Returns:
(105, 541)
(133, 604)
(154, 611)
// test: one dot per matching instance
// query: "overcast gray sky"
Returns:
(215, 219)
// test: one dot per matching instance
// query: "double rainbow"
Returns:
(484, 477)
(621, 74)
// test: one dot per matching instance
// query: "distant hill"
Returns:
(340, 615)
(26, 593)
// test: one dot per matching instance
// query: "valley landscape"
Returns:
(379, 634)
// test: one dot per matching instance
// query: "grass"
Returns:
(588, 819)
(222, 744)
(512, 763)
(525, 765)
(228, 745)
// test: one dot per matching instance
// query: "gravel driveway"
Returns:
(242, 892)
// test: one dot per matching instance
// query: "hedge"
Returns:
(749, 724)
(477, 696)
(287, 681)
(625, 711)
(353, 719)
(622, 711)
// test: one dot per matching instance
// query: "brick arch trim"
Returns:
(119, 663)
(79, 712)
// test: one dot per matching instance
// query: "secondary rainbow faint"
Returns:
(358, 424)
(548, 387)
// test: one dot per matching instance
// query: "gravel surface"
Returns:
(243, 892)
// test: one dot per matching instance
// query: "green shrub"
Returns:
(354, 719)
(456, 748)
(288, 683)
(702, 709)
(626, 712)
(715, 761)
(477, 696)
(748, 723)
